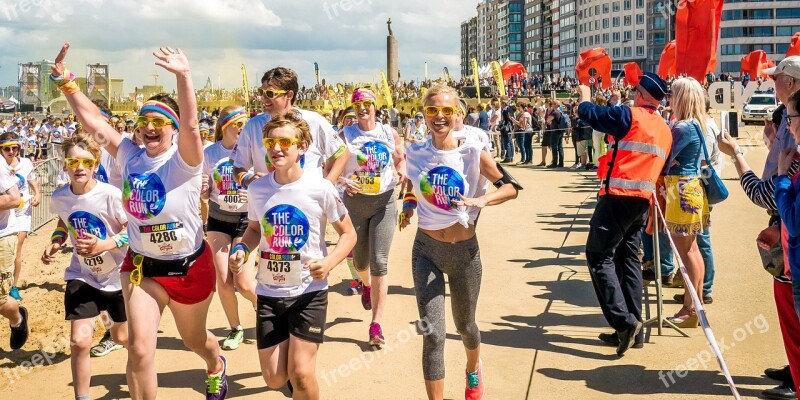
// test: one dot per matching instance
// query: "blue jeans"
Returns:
(667, 265)
(508, 146)
(704, 243)
(527, 143)
(520, 138)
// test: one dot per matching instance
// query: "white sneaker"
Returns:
(576, 166)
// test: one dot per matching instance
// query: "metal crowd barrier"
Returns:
(46, 174)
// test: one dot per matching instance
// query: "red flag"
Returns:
(696, 35)
(666, 66)
(598, 59)
(755, 63)
(794, 47)
(632, 73)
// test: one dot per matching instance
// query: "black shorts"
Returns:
(82, 301)
(301, 316)
(546, 139)
(232, 229)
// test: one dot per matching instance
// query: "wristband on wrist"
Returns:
(246, 178)
(59, 236)
(243, 247)
(120, 239)
(410, 201)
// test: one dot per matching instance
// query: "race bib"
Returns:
(370, 182)
(280, 269)
(230, 203)
(98, 265)
(166, 239)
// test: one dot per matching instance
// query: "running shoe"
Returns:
(19, 335)
(234, 338)
(475, 388)
(366, 297)
(105, 346)
(217, 384)
(376, 335)
(14, 292)
(356, 287)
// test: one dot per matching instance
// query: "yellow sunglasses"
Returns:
(157, 122)
(433, 111)
(284, 142)
(364, 103)
(270, 93)
(88, 163)
(136, 275)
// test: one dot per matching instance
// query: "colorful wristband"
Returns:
(410, 201)
(70, 88)
(243, 247)
(120, 239)
(59, 236)
(246, 178)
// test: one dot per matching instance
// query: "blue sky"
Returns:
(346, 37)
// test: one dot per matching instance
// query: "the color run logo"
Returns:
(223, 177)
(285, 229)
(81, 222)
(101, 174)
(144, 196)
(372, 157)
(441, 187)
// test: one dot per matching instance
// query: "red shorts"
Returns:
(199, 282)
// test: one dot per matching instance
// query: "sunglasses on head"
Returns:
(87, 163)
(158, 122)
(433, 111)
(271, 93)
(284, 142)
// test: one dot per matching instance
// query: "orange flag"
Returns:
(632, 73)
(755, 63)
(598, 59)
(666, 66)
(794, 46)
(696, 36)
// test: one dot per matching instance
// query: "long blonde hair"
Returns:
(688, 101)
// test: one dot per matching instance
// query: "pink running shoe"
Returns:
(475, 388)
(376, 335)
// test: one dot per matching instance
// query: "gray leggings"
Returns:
(375, 219)
(430, 260)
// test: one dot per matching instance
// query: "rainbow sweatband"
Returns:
(64, 79)
(59, 235)
(243, 247)
(233, 116)
(410, 201)
(9, 142)
(105, 115)
(161, 108)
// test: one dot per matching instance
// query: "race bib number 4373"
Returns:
(280, 269)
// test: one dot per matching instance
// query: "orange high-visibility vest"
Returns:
(632, 165)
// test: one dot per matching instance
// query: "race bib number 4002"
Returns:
(280, 269)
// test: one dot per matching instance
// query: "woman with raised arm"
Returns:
(168, 263)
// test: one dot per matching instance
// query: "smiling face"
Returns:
(80, 174)
(155, 140)
(365, 112)
(280, 103)
(282, 158)
(440, 125)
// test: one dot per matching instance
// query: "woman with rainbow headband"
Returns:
(285, 208)
(446, 175)
(369, 179)
(28, 190)
(227, 219)
(90, 213)
(168, 263)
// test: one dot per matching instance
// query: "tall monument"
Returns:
(392, 71)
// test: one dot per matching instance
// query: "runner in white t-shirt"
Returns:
(285, 209)
(28, 186)
(227, 219)
(9, 307)
(446, 173)
(369, 177)
(327, 154)
(91, 214)
(168, 263)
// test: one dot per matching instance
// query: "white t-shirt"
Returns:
(249, 151)
(712, 132)
(24, 173)
(291, 231)
(370, 162)
(161, 196)
(109, 171)
(100, 213)
(8, 218)
(217, 164)
(439, 176)
(474, 135)
(57, 134)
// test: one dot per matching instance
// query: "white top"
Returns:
(217, 164)
(474, 135)
(57, 134)
(439, 177)
(161, 196)
(249, 150)
(712, 132)
(370, 162)
(8, 218)
(24, 173)
(109, 171)
(417, 132)
(100, 213)
(291, 231)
